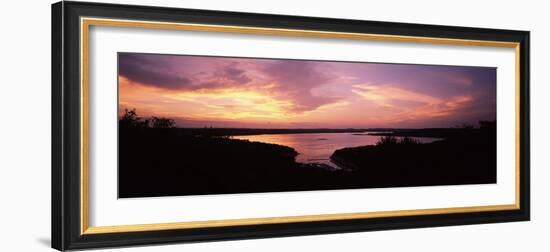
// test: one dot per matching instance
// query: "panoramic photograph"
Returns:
(197, 125)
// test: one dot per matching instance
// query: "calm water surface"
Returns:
(318, 147)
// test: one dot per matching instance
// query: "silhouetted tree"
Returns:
(162, 123)
(409, 140)
(387, 140)
(465, 126)
(130, 119)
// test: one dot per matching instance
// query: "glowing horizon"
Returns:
(204, 91)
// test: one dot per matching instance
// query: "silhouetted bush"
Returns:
(409, 140)
(130, 119)
(392, 140)
(387, 140)
(162, 123)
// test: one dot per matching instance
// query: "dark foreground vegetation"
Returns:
(464, 156)
(157, 159)
(160, 160)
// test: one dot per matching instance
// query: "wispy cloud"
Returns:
(274, 92)
(390, 96)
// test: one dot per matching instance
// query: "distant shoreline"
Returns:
(249, 131)
(425, 132)
(365, 131)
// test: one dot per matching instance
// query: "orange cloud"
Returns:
(427, 107)
(250, 92)
(220, 104)
(386, 95)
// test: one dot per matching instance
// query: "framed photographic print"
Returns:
(180, 125)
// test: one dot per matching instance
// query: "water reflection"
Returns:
(318, 147)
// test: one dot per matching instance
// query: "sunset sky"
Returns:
(199, 91)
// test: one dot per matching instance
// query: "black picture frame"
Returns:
(66, 124)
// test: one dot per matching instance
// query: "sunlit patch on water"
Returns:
(318, 147)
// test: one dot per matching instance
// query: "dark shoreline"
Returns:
(462, 156)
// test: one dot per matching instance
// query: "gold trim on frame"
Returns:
(84, 172)
(85, 24)
(289, 219)
(518, 125)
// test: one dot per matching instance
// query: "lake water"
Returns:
(318, 147)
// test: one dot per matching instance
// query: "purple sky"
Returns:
(200, 91)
